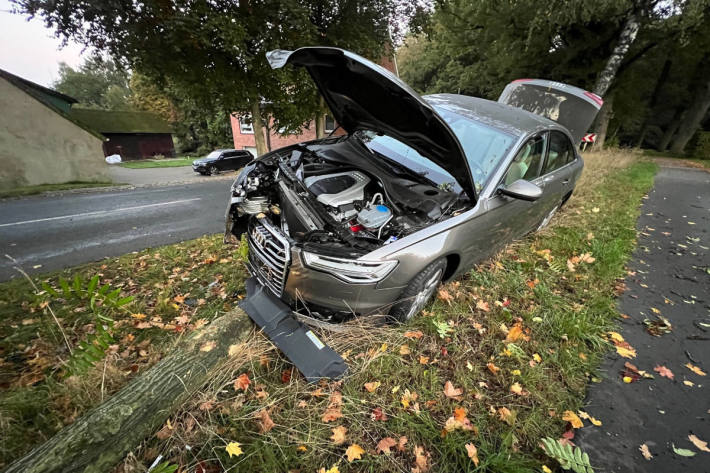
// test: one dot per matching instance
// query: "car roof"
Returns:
(511, 120)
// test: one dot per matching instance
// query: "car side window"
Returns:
(560, 153)
(526, 164)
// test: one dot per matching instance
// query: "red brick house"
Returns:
(243, 132)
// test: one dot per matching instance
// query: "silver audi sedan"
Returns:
(415, 191)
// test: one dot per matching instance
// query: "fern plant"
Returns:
(102, 300)
(569, 458)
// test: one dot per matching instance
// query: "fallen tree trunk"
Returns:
(103, 436)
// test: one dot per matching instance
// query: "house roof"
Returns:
(32, 88)
(55, 101)
(110, 121)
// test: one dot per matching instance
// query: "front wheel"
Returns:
(212, 170)
(419, 291)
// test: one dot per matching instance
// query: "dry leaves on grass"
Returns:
(451, 392)
(459, 421)
(234, 449)
(371, 387)
(386, 444)
(338, 436)
(354, 452)
(264, 421)
(415, 334)
(472, 453)
(333, 411)
(421, 460)
(242, 382)
(506, 415)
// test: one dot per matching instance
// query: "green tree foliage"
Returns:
(97, 83)
(214, 52)
(476, 48)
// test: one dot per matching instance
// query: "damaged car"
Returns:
(416, 192)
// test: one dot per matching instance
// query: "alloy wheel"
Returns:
(425, 294)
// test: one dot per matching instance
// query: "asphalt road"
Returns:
(668, 273)
(63, 231)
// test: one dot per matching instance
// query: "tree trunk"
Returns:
(267, 129)
(626, 38)
(670, 130)
(654, 100)
(693, 117)
(258, 125)
(603, 119)
(97, 441)
(320, 119)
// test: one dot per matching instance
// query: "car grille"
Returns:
(269, 255)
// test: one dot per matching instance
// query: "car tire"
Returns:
(212, 170)
(418, 293)
(546, 220)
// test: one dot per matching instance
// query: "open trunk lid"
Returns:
(570, 106)
(364, 96)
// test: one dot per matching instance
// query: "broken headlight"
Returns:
(354, 271)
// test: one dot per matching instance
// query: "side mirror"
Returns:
(522, 189)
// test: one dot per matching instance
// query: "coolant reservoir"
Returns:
(374, 216)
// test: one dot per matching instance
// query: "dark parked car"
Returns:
(222, 160)
(418, 191)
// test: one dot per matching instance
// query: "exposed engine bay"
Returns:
(340, 195)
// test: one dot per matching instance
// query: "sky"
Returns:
(30, 50)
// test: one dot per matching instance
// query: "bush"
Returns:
(701, 148)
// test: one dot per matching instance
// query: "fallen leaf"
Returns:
(354, 452)
(472, 453)
(493, 368)
(506, 415)
(386, 444)
(413, 334)
(208, 346)
(699, 444)
(482, 305)
(683, 452)
(516, 388)
(421, 460)
(378, 414)
(459, 421)
(338, 436)
(371, 387)
(695, 369)
(573, 419)
(516, 333)
(234, 448)
(626, 350)
(331, 414)
(423, 360)
(207, 405)
(645, 451)
(265, 422)
(302, 448)
(663, 371)
(451, 392)
(401, 444)
(591, 419)
(242, 382)
(546, 469)
(688, 383)
(404, 350)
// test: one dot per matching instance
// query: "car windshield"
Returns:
(213, 155)
(484, 146)
(401, 153)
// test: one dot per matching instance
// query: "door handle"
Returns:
(566, 181)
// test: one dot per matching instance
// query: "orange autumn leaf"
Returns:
(506, 415)
(331, 414)
(516, 333)
(517, 389)
(401, 444)
(265, 422)
(404, 350)
(663, 371)
(386, 444)
(421, 460)
(242, 382)
(371, 387)
(413, 334)
(493, 368)
(354, 452)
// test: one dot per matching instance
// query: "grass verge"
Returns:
(158, 163)
(520, 337)
(704, 163)
(38, 189)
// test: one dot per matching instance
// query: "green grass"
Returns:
(564, 315)
(158, 163)
(38, 189)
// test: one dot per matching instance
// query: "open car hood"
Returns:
(364, 96)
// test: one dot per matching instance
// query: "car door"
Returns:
(226, 161)
(512, 218)
(557, 171)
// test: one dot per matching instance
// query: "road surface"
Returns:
(669, 277)
(67, 230)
